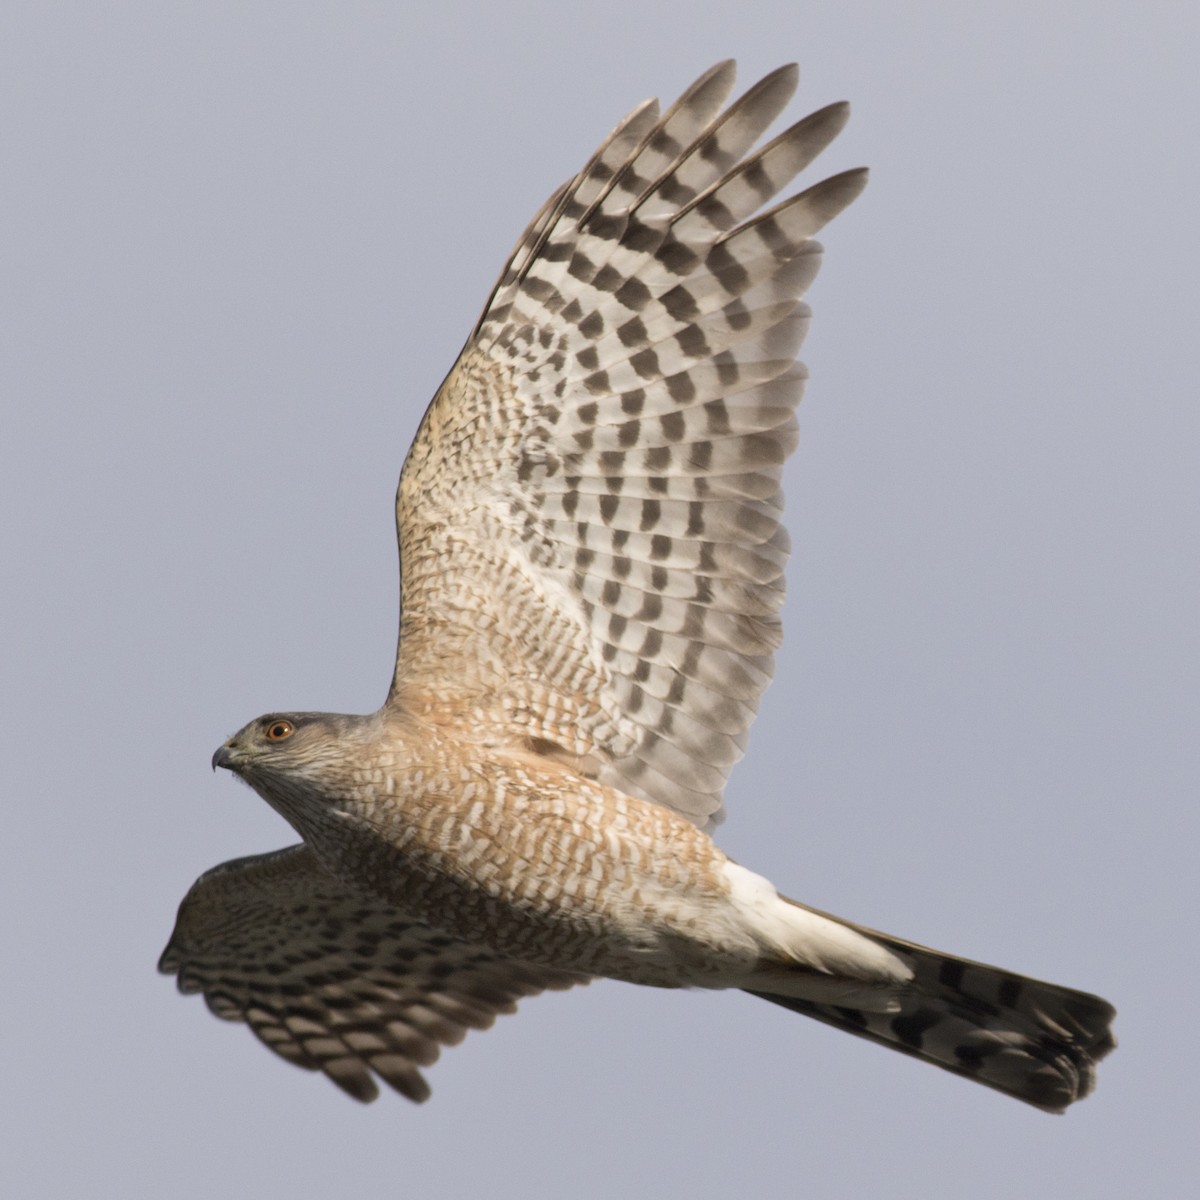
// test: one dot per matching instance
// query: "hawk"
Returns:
(592, 572)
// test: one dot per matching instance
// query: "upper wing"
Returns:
(589, 516)
(334, 980)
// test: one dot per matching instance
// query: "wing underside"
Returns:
(589, 517)
(333, 980)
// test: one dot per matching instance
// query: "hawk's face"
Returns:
(295, 761)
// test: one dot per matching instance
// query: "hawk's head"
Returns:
(302, 764)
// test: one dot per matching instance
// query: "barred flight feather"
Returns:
(628, 397)
(334, 980)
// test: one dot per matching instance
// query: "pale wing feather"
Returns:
(332, 979)
(589, 517)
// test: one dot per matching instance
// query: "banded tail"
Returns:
(1032, 1040)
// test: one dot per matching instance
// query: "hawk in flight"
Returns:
(592, 562)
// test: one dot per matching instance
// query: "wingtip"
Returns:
(847, 186)
(727, 67)
(840, 109)
(779, 85)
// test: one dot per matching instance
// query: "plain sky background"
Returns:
(243, 242)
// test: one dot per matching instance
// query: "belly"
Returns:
(558, 871)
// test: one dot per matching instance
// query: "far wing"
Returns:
(333, 980)
(589, 516)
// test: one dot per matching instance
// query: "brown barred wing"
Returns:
(589, 517)
(334, 980)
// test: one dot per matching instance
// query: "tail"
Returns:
(1035, 1041)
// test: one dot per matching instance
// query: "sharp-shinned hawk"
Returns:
(592, 562)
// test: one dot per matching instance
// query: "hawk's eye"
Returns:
(278, 730)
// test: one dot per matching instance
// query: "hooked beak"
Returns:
(224, 757)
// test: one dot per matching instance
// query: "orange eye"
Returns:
(278, 730)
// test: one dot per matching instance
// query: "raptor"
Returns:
(592, 572)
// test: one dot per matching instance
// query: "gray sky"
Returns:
(242, 244)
